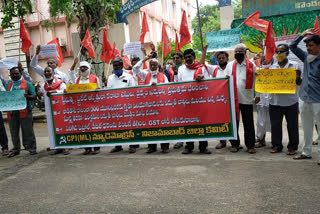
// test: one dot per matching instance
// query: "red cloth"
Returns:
(215, 72)
(270, 44)
(177, 45)
(144, 29)
(140, 81)
(92, 79)
(165, 42)
(87, 43)
(160, 78)
(24, 36)
(254, 22)
(23, 86)
(249, 73)
(126, 61)
(115, 52)
(106, 50)
(316, 23)
(171, 75)
(145, 66)
(54, 86)
(59, 58)
(185, 36)
(197, 67)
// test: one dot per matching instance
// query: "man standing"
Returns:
(151, 77)
(3, 134)
(120, 79)
(186, 72)
(23, 117)
(284, 105)
(51, 63)
(243, 72)
(310, 88)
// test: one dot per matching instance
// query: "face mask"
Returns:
(266, 66)
(168, 67)
(239, 56)
(311, 58)
(154, 73)
(84, 73)
(223, 64)
(118, 72)
(281, 57)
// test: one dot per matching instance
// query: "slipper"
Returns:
(291, 153)
(234, 149)
(315, 143)
(302, 156)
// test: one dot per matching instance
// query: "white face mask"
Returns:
(154, 73)
(311, 58)
(168, 66)
(85, 73)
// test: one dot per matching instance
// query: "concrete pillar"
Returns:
(226, 17)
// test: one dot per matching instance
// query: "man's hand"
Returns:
(199, 77)
(38, 50)
(40, 93)
(147, 57)
(175, 69)
(205, 48)
(105, 80)
(51, 92)
(153, 48)
(298, 77)
(310, 31)
(256, 100)
(257, 56)
(153, 84)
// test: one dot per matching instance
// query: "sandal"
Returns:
(66, 152)
(95, 152)
(234, 149)
(86, 152)
(315, 142)
(291, 152)
(302, 156)
(251, 151)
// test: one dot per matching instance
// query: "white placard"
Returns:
(48, 50)
(10, 62)
(132, 48)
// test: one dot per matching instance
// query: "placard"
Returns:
(223, 40)
(12, 100)
(132, 48)
(48, 50)
(81, 87)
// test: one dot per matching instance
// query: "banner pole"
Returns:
(240, 25)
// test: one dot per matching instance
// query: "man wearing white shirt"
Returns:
(285, 105)
(51, 63)
(120, 79)
(186, 72)
(3, 134)
(243, 72)
(151, 76)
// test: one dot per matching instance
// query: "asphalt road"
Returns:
(222, 182)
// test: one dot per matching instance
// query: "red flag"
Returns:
(145, 66)
(185, 36)
(106, 50)
(26, 42)
(254, 22)
(115, 52)
(126, 61)
(59, 58)
(316, 23)
(87, 43)
(144, 29)
(270, 43)
(165, 42)
(177, 46)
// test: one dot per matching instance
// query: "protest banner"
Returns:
(132, 48)
(81, 87)
(48, 50)
(223, 40)
(147, 114)
(12, 100)
(129, 7)
(279, 81)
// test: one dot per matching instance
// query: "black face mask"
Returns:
(239, 56)
(223, 64)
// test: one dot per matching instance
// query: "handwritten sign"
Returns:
(223, 40)
(9, 62)
(278, 81)
(48, 50)
(12, 100)
(132, 48)
(129, 7)
(145, 114)
(81, 87)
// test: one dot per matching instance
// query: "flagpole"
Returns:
(199, 25)
(109, 68)
(240, 25)
(19, 40)
(79, 51)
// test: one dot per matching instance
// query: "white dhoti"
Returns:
(263, 118)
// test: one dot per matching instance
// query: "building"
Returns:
(167, 11)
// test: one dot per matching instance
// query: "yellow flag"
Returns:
(81, 87)
(277, 81)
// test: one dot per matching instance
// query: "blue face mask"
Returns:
(118, 72)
